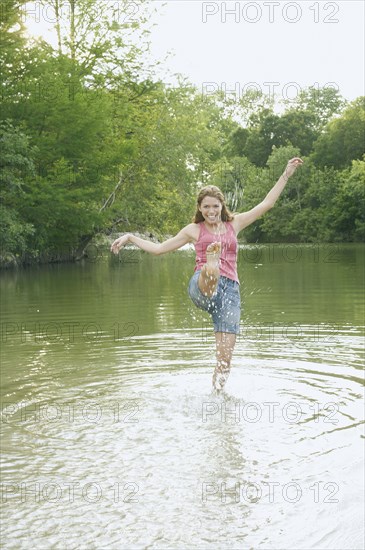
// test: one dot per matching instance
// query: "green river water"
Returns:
(111, 437)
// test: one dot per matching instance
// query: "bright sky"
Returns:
(272, 45)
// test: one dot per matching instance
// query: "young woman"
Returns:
(214, 286)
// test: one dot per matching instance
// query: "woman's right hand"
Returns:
(119, 243)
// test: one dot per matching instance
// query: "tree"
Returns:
(315, 221)
(300, 125)
(16, 165)
(349, 204)
(97, 36)
(322, 104)
(236, 177)
(177, 136)
(13, 47)
(72, 112)
(343, 139)
(294, 127)
(276, 225)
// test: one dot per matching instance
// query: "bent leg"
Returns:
(225, 342)
(209, 275)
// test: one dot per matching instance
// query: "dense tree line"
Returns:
(91, 142)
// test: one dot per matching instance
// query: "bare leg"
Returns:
(225, 342)
(209, 275)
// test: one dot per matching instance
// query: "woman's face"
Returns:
(211, 209)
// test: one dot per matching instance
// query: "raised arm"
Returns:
(246, 218)
(183, 237)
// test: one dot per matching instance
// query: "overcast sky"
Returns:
(272, 42)
(272, 45)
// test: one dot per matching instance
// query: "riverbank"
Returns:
(69, 254)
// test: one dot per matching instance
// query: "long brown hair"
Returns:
(216, 193)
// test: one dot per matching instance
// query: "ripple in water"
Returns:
(142, 455)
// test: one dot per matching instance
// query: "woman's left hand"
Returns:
(292, 166)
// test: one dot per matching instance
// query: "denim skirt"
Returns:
(224, 305)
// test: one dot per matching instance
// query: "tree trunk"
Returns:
(58, 26)
(72, 30)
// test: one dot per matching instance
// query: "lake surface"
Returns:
(111, 437)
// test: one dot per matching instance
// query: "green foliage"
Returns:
(321, 104)
(89, 145)
(300, 125)
(275, 225)
(314, 222)
(12, 41)
(60, 210)
(15, 159)
(349, 202)
(236, 177)
(176, 142)
(16, 165)
(15, 233)
(318, 205)
(294, 127)
(343, 139)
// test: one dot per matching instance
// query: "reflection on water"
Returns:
(112, 438)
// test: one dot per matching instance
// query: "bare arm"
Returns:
(183, 237)
(246, 218)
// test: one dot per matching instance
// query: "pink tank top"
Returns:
(228, 258)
